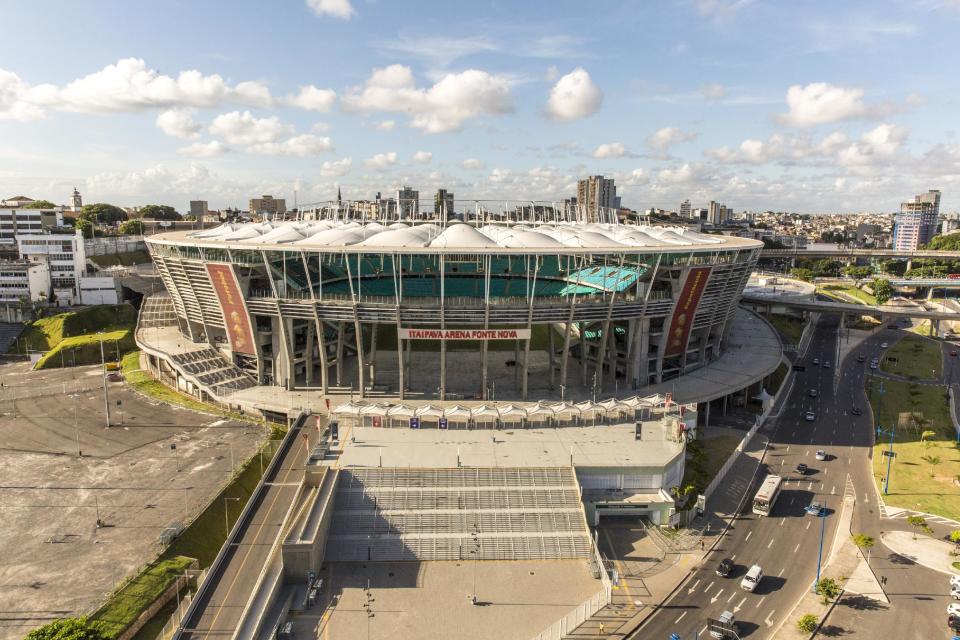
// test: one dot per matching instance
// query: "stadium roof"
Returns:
(458, 236)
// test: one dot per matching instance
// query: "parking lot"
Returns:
(54, 560)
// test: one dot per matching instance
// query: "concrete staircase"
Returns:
(458, 514)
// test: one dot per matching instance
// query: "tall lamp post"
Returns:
(823, 522)
(226, 512)
(103, 371)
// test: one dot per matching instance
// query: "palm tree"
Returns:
(933, 461)
(925, 435)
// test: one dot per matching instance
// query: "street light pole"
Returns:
(103, 371)
(823, 523)
(226, 514)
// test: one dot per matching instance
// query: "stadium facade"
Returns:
(428, 309)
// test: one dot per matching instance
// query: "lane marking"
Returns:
(797, 548)
(760, 602)
(691, 589)
(716, 597)
(771, 543)
(732, 596)
(782, 570)
(708, 587)
(769, 619)
(680, 618)
(808, 525)
(749, 533)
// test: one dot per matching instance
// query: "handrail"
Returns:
(217, 566)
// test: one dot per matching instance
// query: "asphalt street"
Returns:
(786, 544)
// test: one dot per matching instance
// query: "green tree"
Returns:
(102, 213)
(933, 461)
(68, 629)
(828, 589)
(131, 228)
(802, 274)
(894, 267)
(882, 290)
(945, 243)
(86, 228)
(159, 212)
(40, 204)
(807, 623)
(863, 542)
(919, 523)
(856, 272)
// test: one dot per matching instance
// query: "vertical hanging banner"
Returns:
(235, 316)
(686, 308)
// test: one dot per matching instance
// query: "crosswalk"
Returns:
(899, 513)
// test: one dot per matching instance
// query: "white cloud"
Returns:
(129, 85)
(179, 123)
(552, 73)
(385, 125)
(472, 163)
(877, 146)
(574, 96)
(610, 150)
(666, 137)
(341, 9)
(243, 128)
(824, 103)
(320, 127)
(446, 106)
(303, 145)
(335, 168)
(681, 175)
(381, 160)
(714, 91)
(210, 149)
(312, 98)
(423, 156)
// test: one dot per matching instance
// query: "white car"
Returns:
(821, 455)
(953, 609)
(884, 345)
(809, 416)
(955, 592)
(753, 578)
(955, 581)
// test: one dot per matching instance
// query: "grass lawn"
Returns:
(916, 357)
(205, 535)
(789, 326)
(705, 457)
(127, 603)
(125, 259)
(776, 378)
(840, 292)
(71, 338)
(915, 483)
(923, 329)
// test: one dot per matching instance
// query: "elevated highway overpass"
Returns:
(879, 311)
(848, 254)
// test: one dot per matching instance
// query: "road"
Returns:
(785, 544)
(221, 607)
(918, 596)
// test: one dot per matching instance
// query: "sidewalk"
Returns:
(924, 550)
(637, 598)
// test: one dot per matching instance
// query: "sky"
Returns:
(788, 106)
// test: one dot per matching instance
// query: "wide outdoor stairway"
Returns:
(212, 369)
(458, 514)
(157, 311)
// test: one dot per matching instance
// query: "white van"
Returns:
(752, 579)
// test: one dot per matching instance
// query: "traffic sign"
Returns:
(443, 423)
(414, 423)
(890, 454)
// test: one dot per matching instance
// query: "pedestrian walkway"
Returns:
(924, 550)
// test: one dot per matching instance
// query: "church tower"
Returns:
(76, 202)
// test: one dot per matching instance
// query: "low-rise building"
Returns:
(24, 281)
(99, 290)
(64, 254)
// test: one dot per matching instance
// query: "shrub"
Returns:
(807, 623)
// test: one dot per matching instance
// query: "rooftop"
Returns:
(562, 237)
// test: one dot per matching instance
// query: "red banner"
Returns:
(235, 316)
(407, 333)
(685, 310)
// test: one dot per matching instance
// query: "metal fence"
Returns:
(583, 611)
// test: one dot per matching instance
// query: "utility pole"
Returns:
(823, 523)
(103, 372)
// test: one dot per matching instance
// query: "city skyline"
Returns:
(760, 106)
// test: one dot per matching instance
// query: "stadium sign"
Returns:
(235, 316)
(407, 333)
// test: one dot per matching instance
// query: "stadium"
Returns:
(492, 306)
(492, 385)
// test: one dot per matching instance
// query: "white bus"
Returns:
(767, 495)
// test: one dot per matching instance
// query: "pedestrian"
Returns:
(602, 628)
(702, 545)
(883, 580)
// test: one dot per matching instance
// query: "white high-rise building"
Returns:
(685, 209)
(595, 194)
(916, 224)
